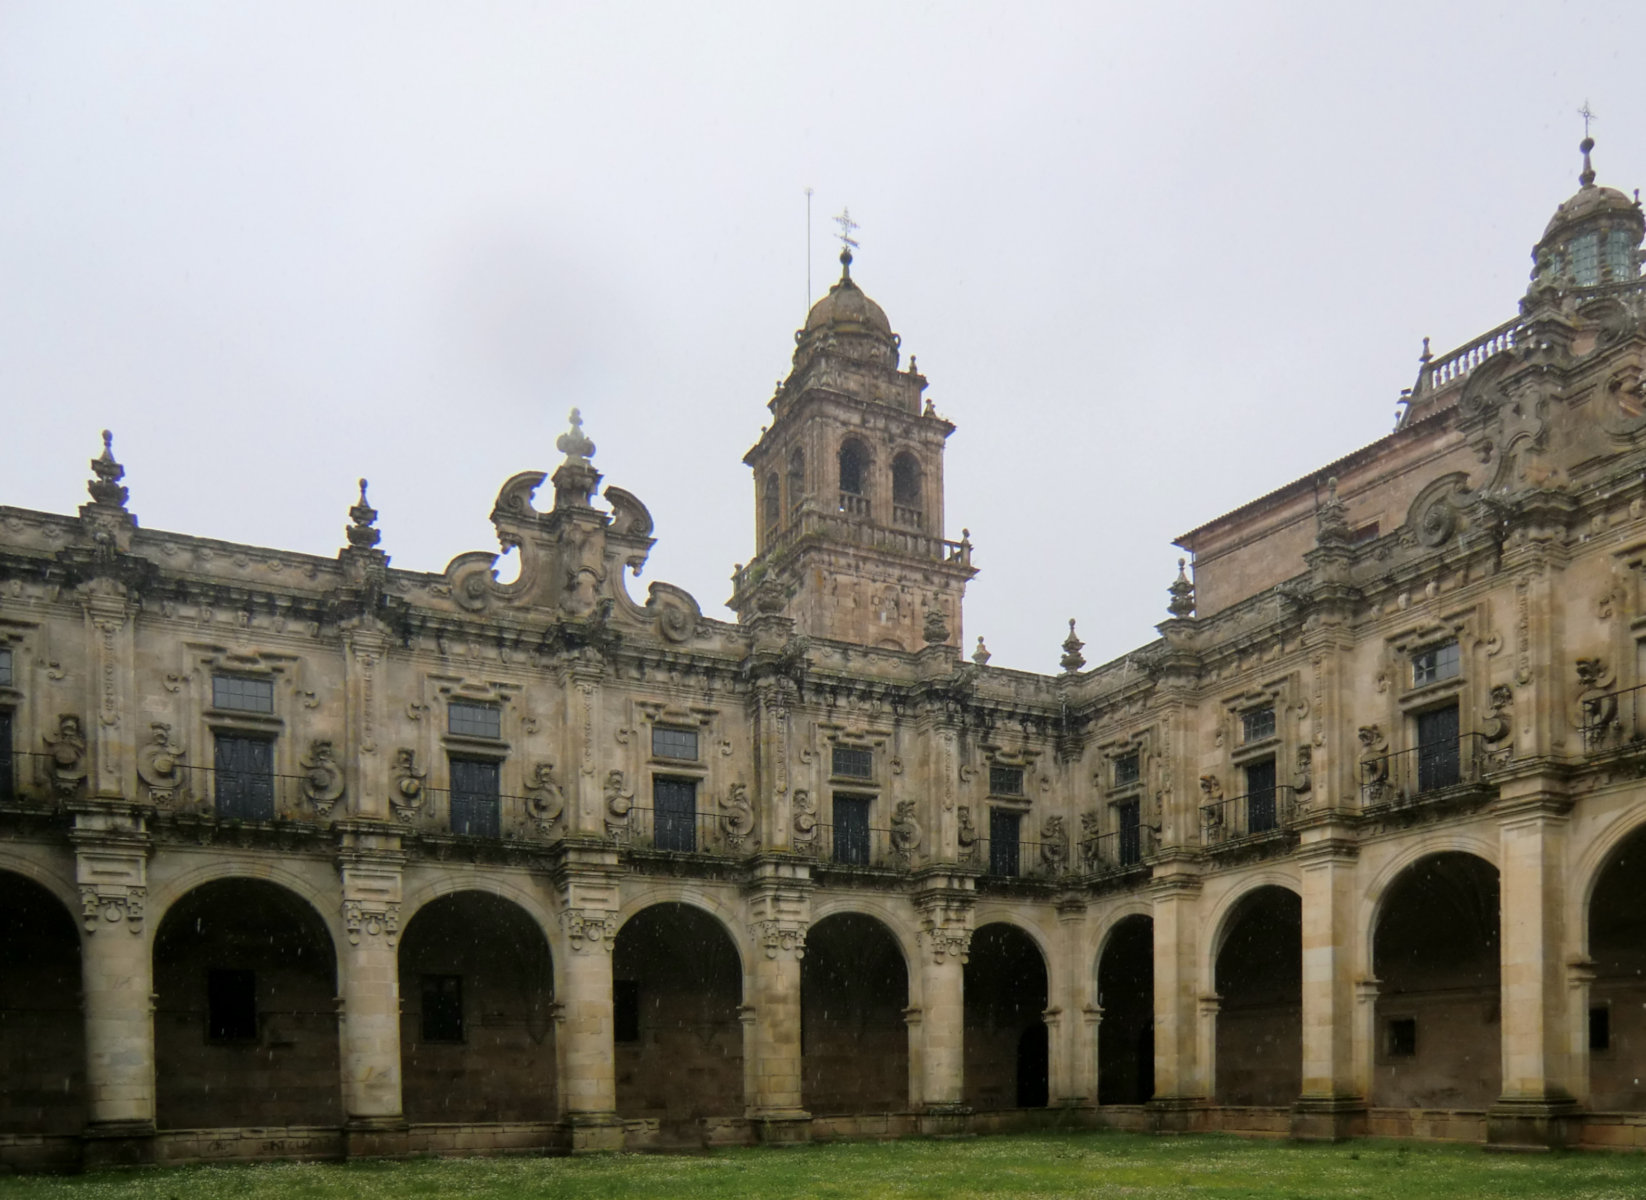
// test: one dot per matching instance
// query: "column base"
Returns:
(105, 1144)
(376, 1137)
(782, 1126)
(1533, 1125)
(1175, 1114)
(595, 1133)
(1328, 1118)
(945, 1120)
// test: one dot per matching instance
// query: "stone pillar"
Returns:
(588, 1078)
(1181, 1079)
(1537, 1107)
(1073, 1051)
(117, 972)
(1088, 1037)
(1330, 1107)
(777, 906)
(369, 983)
(1580, 978)
(1365, 1034)
(945, 939)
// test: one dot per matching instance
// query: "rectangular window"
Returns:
(474, 720)
(674, 809)
(625, 1010)
(674, 743)
(476, 797)
(1257, 724)
(1363, 535)
(240, 694)
(1403, 1037)
(1435, 663)
(442, 1008)
(1129, 821)
(851, 830)
(231, 1006)
(1586, 260)
(1127, 769)
(1003, 842)
(1260, 796)
(244, 769)
(1005, 781)
(8, 780)
(854, 762)
(5, 668)
(1437, 748)
(1600, 1028)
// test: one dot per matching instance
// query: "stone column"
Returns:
(1329, 1108)
(777, 906)
(1073, 1050)
(1181, 1082)
(1537, 1106)
(117, 972)
(945, 939)
(369, 983)
(588, 1078)
(1365, 1034)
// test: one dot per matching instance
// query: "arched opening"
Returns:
(797, 477)
(1437, 1036)
(1260, 1018)
(854, 467)
(773, 504)
(677, 985)
(477, 1013)
(42, 1033)
(906, 489)
(1125, 991)
(854, 1042)
(1006, 1055)
(1617, 997)
(245, 1016)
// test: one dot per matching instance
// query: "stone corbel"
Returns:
(781, 938)
(589, 929)
(375, 920)
(111, 905)
(945, 944)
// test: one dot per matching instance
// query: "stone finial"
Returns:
(1587, 177)
(106, 489)
(574, 444)
(1331, 518)
(1182, 593)
(981, 655)
(363, 534)
(1072, 659)
(936, 629)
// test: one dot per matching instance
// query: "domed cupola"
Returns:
(848, 322)
(1592, 240)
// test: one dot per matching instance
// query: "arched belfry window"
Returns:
(854, 473)
(797, 477)
(773, 503)
(906, 481)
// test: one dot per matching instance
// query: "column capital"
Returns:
(589, 929)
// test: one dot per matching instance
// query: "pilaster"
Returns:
(1179, 1069)
(587, 880)
(1329, 1106)
(945, 905)
(370, 863)
(777, 903)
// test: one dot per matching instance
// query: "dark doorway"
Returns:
(1034, 1065)
(1617, 998)
(854, 1042)
(1260, 1021)
(1006, 996)
(1125, 990)
(42, 1031)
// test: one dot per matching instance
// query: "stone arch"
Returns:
(772, 503)
(1435, 951)
(477, 1030)
(1591, 864)
(1218, 920)
(677, 1007)
(729, 917)
(320, 894)
(58, 882)
(1098, 936)
(42, 1033)
(1123, 974)
(1257, 975)
(245, 1020)
(854, 461)
(1372, 899)
(854, 1037)
(1007, 992)
(1612, 1025)
(908, 479)
(891, 915)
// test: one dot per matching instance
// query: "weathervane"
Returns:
(847, 244)
(1587, 116)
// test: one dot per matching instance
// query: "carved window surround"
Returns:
(504, 696)
(650, 714)
(1110, 753)
(1408, 700)
(860, 738)
(1280, 695)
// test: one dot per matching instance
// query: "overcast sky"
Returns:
(1155, 260)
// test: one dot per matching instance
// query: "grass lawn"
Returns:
(1037, 1165)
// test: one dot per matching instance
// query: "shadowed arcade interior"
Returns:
(854, 1040)
(1617, 998)
(1125, 991)
(42, 1035)
(1260, 1018)
(1007, 1061)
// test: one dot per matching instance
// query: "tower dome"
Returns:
(1592, 239)
(847, 307)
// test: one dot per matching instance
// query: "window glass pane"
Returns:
(1403, 1037)
(1257, 724)
(231, 1006)
(674, 813)
(674, 743)
(475, 720)
(1586, 260)
(1129, 819)
(851, 830)
(854, 761)
(474, 797)
(242, 695)
(1003, 842)
(1617, 255)
(1126, 770)
(1006, 781)
(442, 1008)
(1260, 796)
(5, 668)
(243, 768)
(1435, 663)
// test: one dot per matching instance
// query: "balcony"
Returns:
(1423, 773)
(848, 847)
(667, 831)
(906, 517)
(1256, 815)
(853, 505)
(1018, 859)
(1118, 852)
(1615, 722)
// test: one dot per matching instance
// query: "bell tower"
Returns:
(848, 484)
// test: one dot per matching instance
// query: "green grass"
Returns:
(1040, 1166)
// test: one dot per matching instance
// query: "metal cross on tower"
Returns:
(1587, 116)
(844, 220)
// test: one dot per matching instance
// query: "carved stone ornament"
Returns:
(948, 943)
(781, 937)
(1054, 845)
(805, 821)
(1331, 518)
(545, 798)
(361, 533)
(1211, 789)
(160, 765)
(1072, 659)
(737, 816)
(322, 776)
(377, 921)
(1181, 604)
(966, 834)
(618, 805)
(981, 655)
(1305, 772)
(110, 907)
(1498, 723)
(906, 832)
(406, 792)
(1091, 831)
(1597, 705)
(934, 630)
(66, 753)
(105, 488)
(1374, 762)
(589, 929)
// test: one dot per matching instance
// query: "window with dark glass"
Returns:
(8, 780)
(906, 481)
(1363, 535)
(243, 770)
(674, 814)
(1600, 1028)
(231, 1005)
(1437, 748)
(1126, 770)
(474, 720)
(1586, 260)
(774, 502)
(442, 1008)
(1617, 256)
(851, 829)
(1004, 845)
(240, 694)
(5, 668)
(854, 762)
(1434, 663)
(1260, 796)
(476, 797)
(1129, 822)
(1257, 724)
(674, 743)
(854, 463)
(625, 1010)
(1402, 1037)
(1005, 781)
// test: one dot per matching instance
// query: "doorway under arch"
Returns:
(1125, 992)
(1260, 1017)
(1007, 1060)
(42, 1032)
(854, 1039)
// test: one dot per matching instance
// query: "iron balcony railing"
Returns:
(1410, 775)
(247, 796)
(679, 832)
(1019, 859)
(1251, 815)
(1614, 720)
(1118, 851)
(858, 846)
(488, 815)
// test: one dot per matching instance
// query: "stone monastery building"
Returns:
(315, 857)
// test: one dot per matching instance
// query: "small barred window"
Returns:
(854, 762)
(1005, 781)
(475, 720)
(674, 743)
(1257, 724)
(1435, 663)
(241, 694)
(1127, 770)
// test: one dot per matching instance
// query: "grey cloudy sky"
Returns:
(1156, 259)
